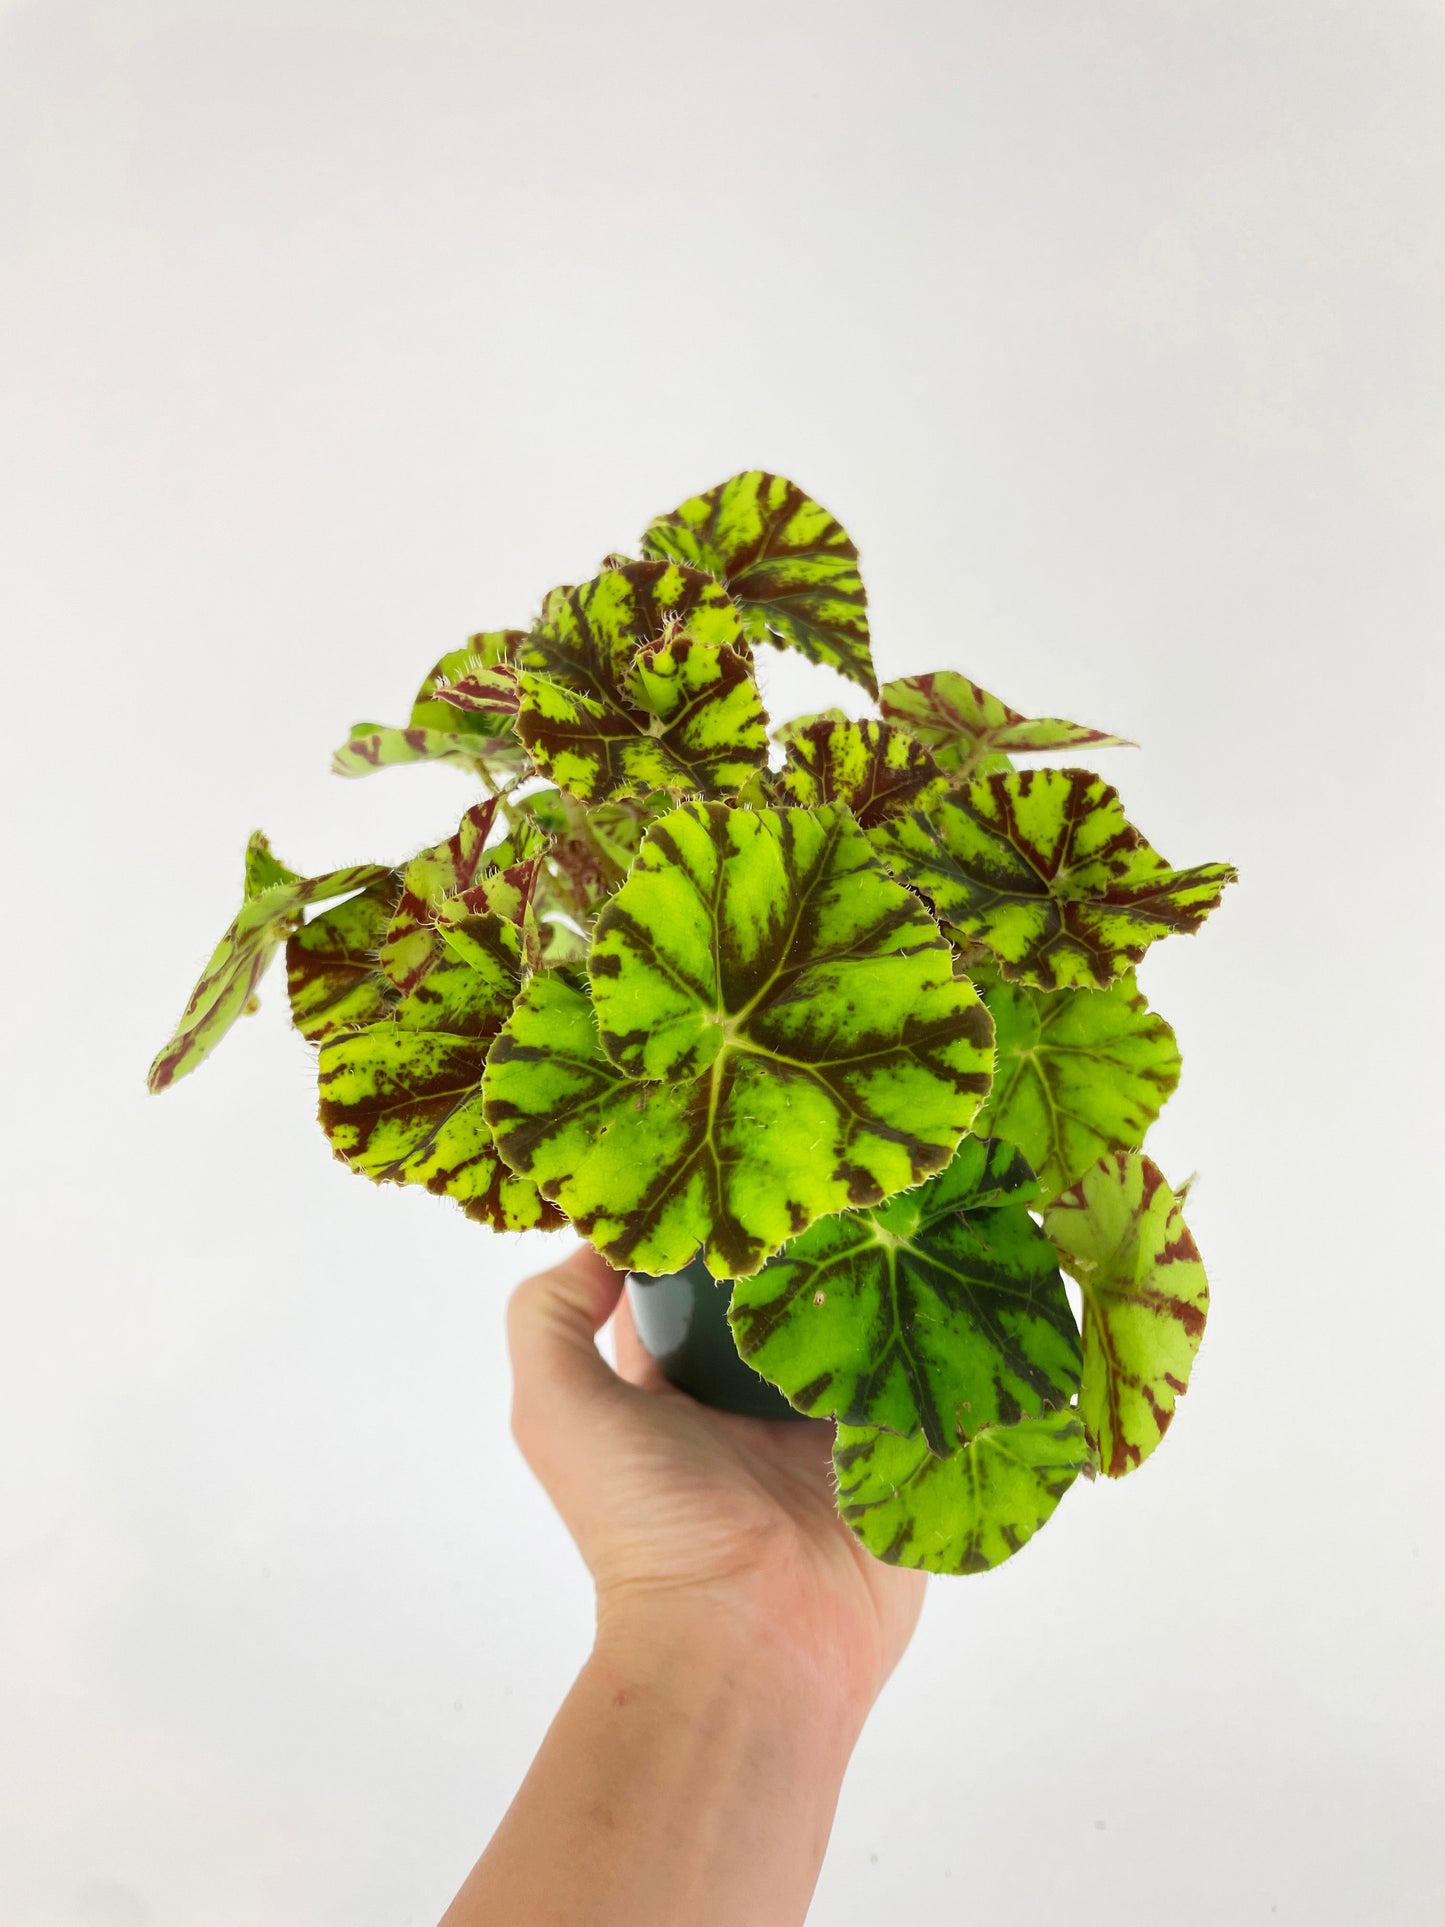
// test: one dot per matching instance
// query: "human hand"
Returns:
(682, 1511)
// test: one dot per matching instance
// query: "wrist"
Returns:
(696, 1653)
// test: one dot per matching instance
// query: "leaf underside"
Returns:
(941, 1312)
(774, 1035)
(1043, 868)
(788, 564)
(1121, 1234)
(964, 1513)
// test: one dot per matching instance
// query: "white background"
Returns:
(334, 330)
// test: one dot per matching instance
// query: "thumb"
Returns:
(552, 1324)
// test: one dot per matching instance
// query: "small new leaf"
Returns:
(1043, 868)
(270, 912)
(439, 731)
(1121, 1234)
(941, 1312)
(786, 562)
(964, 1513)
(972, 733)
(641, 680)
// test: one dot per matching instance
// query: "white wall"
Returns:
(335, 329)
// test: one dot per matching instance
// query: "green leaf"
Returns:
(403, 1106)
(971, 732)
(1121, 1234)
(491, 693)
(439, 731)
(942, 1311)
(1080, 1073)
(263, 870)
(641, 680)
(412, 946)
(333, 975)
(780, 1038)
(401, 1098)
(786, 733)
(227, 986)
(877, 771)
(1042, 866)
(964, 1513)
(786, 562)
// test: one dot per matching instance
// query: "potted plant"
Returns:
(850, 1027)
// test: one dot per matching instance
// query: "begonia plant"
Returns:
(850, 1011)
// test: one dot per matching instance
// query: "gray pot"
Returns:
(683, 1321)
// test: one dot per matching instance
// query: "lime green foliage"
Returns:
(940, 1312)
(963, 1513)
(333, 969)
(1080, 1073)
(1043, 868)
(401, 1096)
(439, 731)
(784, 1018)
(855, 1018)
(877, 771)
(641, 680)
(1120, 1233)
(971, 732)
(786, 562)
(274, 900)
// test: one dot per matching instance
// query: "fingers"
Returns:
(552, 1324)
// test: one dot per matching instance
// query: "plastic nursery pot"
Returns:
(682, 1320)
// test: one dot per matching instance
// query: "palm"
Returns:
(743, 1510)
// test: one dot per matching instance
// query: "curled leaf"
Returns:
(940, 1312)
(1121, 1234)
(786, 562)
(640, 680)
(227, 985)
(964, 1513)
(439, 731)
(972, 733)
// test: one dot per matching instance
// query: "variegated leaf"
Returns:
(1080, 1073)
(786, 562)
(438, 731)
(972, 733)
(964, 1513)
(401, 1098)
(1043, 868)
(781, 1038)
(1121, 1234)
(412, 946)
(640, 680)
(403, 1105)
(942, 1311)
(877, 771)
(489, 692)
(333, 968)
(227, 986)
